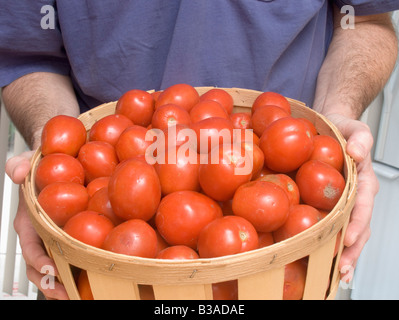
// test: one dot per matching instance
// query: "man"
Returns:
(99, 49)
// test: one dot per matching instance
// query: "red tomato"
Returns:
(285, 182)
(226, 236)
(286, 144)
(63, 134)
(134, 190)
(161, 243)
(175, 136)
(310, 125)
(221, 96)
(320, 184)
(240, 135)
(62, 200)
(97, 184)
(226, 290)
(83, 285)
(271, 98)
(178, 253)
(134, 237)
(109, 128)
(241, 120)
(211, 132)
(265, 115)
(58, 167)
(100, 203)
(179, 171)
(228, 166)
(182, 94)
(155, 95)
(98, 159)
(328, 150)
(257, 156)
(132, 143)
(207, 109)
(137, 105)
(265, 239)
(89, 227)
(294, 280)
(300, 218)
(170, 115)
(181, 216)
(262, 203)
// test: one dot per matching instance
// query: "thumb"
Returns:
(17, 168)
(357, 134)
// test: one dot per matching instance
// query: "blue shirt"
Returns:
(108, 47)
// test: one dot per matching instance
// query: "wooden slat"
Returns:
(268, 285)
(318, 273)
(111, 288)
(183, 292)
(66, 275)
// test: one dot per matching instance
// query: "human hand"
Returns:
(359, 144)
(33, 251)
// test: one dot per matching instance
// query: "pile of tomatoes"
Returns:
(187, 198)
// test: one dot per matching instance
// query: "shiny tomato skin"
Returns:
(109, 128)
(328, 150)
(132, 143)
(248, 135)
(179, 252)
(262, 203)
(311, 127)
(181, 216)
(170, 115)
(181, 94)
(265, 239)
(219, 238)
(134, 237)
(294, 280)
(227, 167)
(137, 105)
(285, 182)
(300, 218)
(58, 167)
(134, 190)
(98, 159)
(320, 184)
(221, 96)
(257, 156)
(207, 109)
(212, 131)
(179, 171)
(271, 98)
(89, 227)
(63, 134)
(97, 184)
(241, 120)
(265, 115)
(286, 144)
(226, 236)
(100, 203)
(62, 200)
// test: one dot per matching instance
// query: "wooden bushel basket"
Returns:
(260, 273)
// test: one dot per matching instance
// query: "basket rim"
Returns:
(272, 256)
